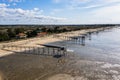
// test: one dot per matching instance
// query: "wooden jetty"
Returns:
(48, 50)
(78, 38)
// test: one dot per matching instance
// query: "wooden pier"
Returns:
(78, 38)
(46, 50)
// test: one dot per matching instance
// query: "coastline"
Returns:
(44, 40)
(35, 41)
(70, 67)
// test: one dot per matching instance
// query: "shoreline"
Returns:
(44, 40)
(71, 67)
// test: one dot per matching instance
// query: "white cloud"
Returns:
(78, 4)
(77, 11)
(36, 9)
(4, 5)
(111, 1)
(109, 14)
(56, 1)
(15, 0)
(14, 4)
(18, 15)
(56, 11)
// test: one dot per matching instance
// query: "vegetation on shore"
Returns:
(11, 32)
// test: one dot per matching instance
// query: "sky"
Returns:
(59, 11)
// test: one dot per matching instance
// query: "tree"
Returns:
(44, 29)
(4, 36)
(11, 33)
(56, 29)
(19, 30)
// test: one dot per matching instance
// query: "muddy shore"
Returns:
(30, 67)
(71, 67)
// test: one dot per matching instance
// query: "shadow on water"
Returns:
(45, 51)
(57, 56)
(101, 46)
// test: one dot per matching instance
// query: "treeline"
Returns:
(10, 32)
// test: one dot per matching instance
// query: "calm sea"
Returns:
(103, 46)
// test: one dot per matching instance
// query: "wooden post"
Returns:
(89, 35)
(38, 50)
(25, 50)
(28, 50)
(76, 40)
(64, 52)
(66, 37)
(83, 40)
(43, 51)
(79, 40)
(48, 50)
(31, 50)
(34, 50)
(58, 51)
(53, 51)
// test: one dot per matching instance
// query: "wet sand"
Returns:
(71, 67)
(34, 42)
(33, 67)
(26, 67)
(74, 66)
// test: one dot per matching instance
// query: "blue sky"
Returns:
(59, 11)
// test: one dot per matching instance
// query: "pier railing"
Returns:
(48, 51)
(79, 37)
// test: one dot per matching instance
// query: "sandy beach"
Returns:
(34, 67)
(15, 66)
(33, 42)
(43, 40)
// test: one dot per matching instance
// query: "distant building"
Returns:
(21, 36)
(41, 34)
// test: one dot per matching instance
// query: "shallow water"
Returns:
(99, 59)
(103, 46)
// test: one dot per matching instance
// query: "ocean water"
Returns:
(103, 46)
(98, 59)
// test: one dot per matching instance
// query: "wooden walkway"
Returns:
(48, 51)
(77, 38)
(52, 50)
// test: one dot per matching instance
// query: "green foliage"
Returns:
(4, 36)
(19, 30)
(11, 33)
(28, 34)
(50, 30)
(32, 33)
(44, 29)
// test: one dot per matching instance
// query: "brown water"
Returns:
(104, 46)
(99, 59)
